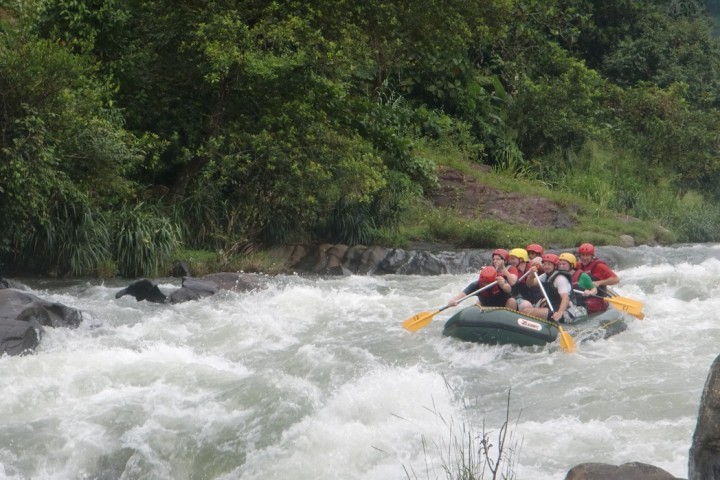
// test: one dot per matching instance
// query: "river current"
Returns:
(314, 378)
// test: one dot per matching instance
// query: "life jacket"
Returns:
(531, 294)
(593, 304)
(552, 292)
(516, 288)
(575, 281)
(493, 297)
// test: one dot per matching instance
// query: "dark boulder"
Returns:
(143, 289)
(180, 269)
(23, 316)
(19, 305)
(704, 458)
(193, 289)
(626, 471)
(19, 337)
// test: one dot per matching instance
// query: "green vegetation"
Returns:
(130, 130)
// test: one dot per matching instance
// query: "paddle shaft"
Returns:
(422, 319)
(589, 294)
(566, 341)
(523, 275)
(547, 299)
(470, 295)
(484, 288)
(633, 307)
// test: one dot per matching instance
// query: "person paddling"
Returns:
(558, 288)
(601, 275)
(580, 280)
(500, 260)
(496, 296)
(518, 258)
(524, 292)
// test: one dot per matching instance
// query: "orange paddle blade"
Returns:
(633, 307)
(419, 320)
(566, 341)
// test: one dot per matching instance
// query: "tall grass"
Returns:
(73, 240)
(469, 452)
(144, 240)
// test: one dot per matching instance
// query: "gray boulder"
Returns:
(23, 316)
(626, 471)
(19, 305)
(143, 289)
(704, 458)
(193, 288)
(239, 282)
(19, 337)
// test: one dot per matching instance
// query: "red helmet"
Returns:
(487, 275)
(586, 248)
(534, 247)
(551, 257)
(504, 254)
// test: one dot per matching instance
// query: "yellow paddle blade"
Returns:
(633, 307)
(566, 341)
(419, 320)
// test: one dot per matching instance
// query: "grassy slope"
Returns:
(593, 223)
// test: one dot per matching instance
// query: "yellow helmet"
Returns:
(520, 253)
(570, 258)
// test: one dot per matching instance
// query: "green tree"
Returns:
(669, 49)
(559, 112)
(61, 142)
(674, 140)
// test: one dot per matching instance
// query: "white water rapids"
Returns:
(315, 379)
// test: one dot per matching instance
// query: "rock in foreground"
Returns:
(626, 471)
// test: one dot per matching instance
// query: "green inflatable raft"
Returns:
(502, 326)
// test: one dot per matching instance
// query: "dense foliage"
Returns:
(129, 128)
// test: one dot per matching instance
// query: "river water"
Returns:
(316, 379)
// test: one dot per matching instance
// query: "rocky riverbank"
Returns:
(338, 259)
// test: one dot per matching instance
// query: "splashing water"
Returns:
(316, 379)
